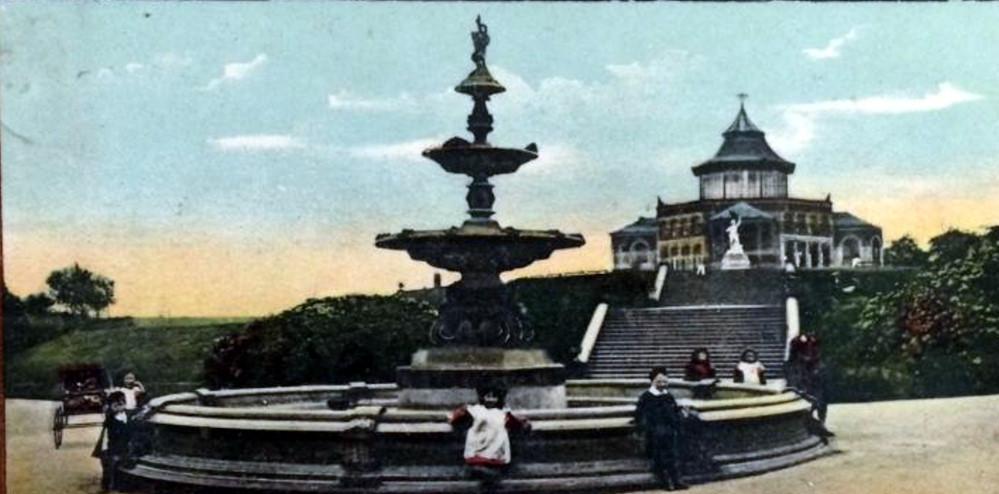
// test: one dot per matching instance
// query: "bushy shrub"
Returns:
(329, 340)
(932, 332)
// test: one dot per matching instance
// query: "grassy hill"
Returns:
(165, 353)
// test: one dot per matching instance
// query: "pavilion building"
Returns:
(747, 179)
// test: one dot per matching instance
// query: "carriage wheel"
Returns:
(58, 424)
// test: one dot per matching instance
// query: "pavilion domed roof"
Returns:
(745, 146)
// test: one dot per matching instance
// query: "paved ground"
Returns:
(903, 447)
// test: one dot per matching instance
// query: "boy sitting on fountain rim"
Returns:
(487, 442)
(660, 420)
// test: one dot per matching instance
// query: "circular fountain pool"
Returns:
(290, 440)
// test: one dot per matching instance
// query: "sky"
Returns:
(221, 159)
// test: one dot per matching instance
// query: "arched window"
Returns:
(697, 250)
(686, 250)
(674, 251)
(850, 247)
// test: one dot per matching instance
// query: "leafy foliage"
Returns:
(38, 303)
(951, 245)
(329, 340)
(933, 334)
(905, 252)
(80, 290)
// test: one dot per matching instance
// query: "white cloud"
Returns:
(105, 74)
(133, 67)
(345, 100)
(662, 69)
(171, 60)
(556, 158)
(256, 142)
(400, 151)
(801, 119)
(553, 96)
(946, 95)
(236, 71)
(832, 49)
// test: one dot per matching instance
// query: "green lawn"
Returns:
(166, 354)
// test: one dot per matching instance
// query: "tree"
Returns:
(905, 252)
(12, 304)
(80, 290)
(38, 303)
(951, 245)
(942, 327)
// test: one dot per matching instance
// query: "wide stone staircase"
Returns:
(631, 341)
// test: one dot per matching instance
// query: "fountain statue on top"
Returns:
(480, 334)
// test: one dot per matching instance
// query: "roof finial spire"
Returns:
(742, 99)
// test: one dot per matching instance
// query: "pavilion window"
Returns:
(733, 185)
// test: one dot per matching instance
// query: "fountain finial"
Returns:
(480, 83)
(480, 39)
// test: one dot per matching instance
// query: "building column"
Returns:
(808, 254)
(822, 255)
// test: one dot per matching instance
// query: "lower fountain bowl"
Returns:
(290, 440)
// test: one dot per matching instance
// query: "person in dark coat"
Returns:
(700, 372)
(806, 376)
(660, 420)
(118, 429)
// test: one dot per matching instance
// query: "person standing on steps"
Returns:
(660, 420)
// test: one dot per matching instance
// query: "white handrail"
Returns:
(657, 291)
(793, 325)
(592, 331)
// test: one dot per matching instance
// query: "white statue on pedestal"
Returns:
(734, 245)
(735, 257)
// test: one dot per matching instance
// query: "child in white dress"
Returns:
(487, 441)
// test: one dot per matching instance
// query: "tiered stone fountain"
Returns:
(480, 334)
(396, 438)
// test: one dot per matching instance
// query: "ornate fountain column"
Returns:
(480, 335)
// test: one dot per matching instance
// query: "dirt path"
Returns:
(903, 447)
(33, 463)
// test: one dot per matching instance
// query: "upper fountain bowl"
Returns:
(479, 160)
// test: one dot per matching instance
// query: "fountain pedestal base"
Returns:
(447, 377)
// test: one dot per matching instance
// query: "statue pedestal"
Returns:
(735, 260)
(447, 377)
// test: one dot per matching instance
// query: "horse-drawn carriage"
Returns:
(84, 390)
